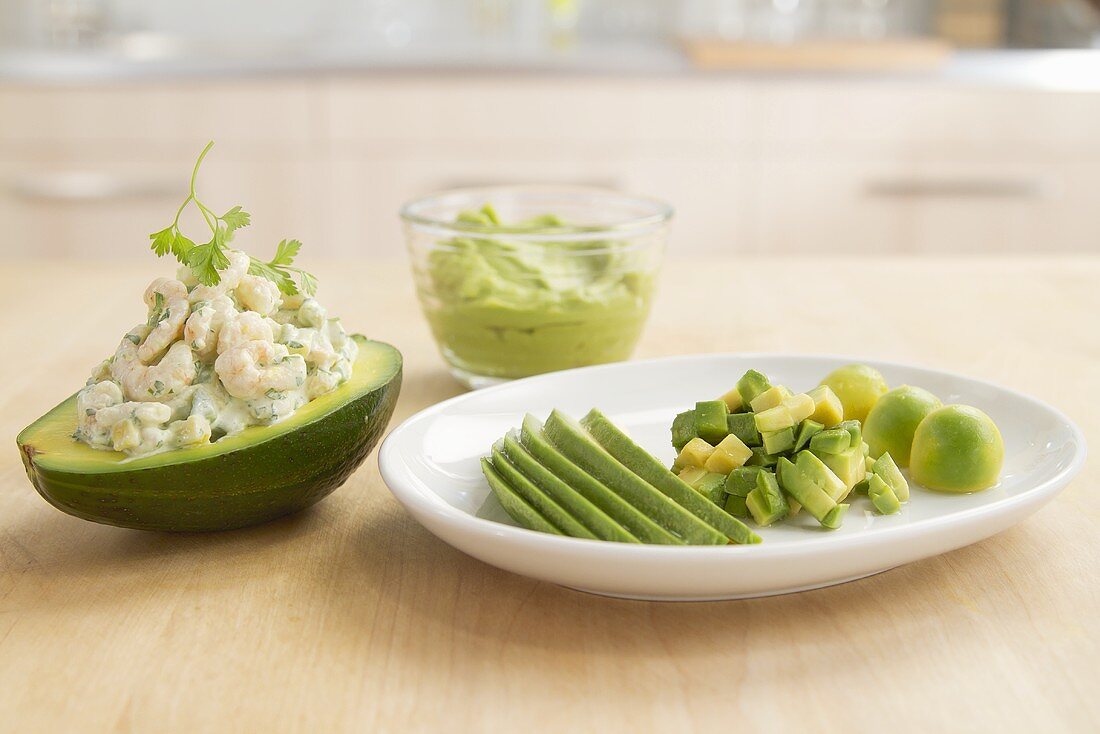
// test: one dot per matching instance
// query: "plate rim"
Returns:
(392, 467)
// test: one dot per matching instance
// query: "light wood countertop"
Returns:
(350, 617)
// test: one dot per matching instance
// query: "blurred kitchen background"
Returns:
(876, 127)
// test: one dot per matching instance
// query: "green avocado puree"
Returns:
(512, 309)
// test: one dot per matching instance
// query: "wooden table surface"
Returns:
(350, 617)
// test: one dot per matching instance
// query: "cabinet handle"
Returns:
(951, 188)
(90, 186)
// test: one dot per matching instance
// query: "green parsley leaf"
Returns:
(236, 218)
(285, 252)
(164, 241)
(206, 260)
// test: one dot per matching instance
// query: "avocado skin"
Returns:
(247, 486)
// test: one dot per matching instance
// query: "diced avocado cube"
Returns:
(683, 429)
(861, 487)
(776, 442)
(832, 441)
(795, 505)
(866, 448)
(828, 410)
(733, 400)
(692, 474)
(799, 486)
(885, 467)
(766, 503)
(770, 398)
(773, 419)
(742, 480)
(743, 425)
(800, 406)
(835, 518)
(736, 506)
(807, 429)
(729, 454)
(854, 429)
(695, 453)
(761, 457)
(713, 487)
(882, 496)
(849, 466)
(710, 420)
(870, 463)
(820, 474)
(751, 384)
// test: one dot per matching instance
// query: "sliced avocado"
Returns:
(776, 442)
(773, 419)
(802, 488)
(882, 496)
(806, 430)
(820, 474)
(540, 500)
(710, 420)
(835, 518)
(251, 477)
(760, 457)
(854, 429)
(743, 425)
(766, 502)
(742, 481)
(634, 520)
(751, 384)
(770, 398)
(849, 466)
(831, 441)
(695, 453)
(733, 400)
(572, 440)
(650, 469)
(885, 467)
(712, 486)
(683, 429)
(516, 507)
(571, 500)
(729, 454)
(828, 410)
(736, 506)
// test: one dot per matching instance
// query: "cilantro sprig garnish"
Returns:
(207, 259)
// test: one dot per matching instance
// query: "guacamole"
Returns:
(508, 309)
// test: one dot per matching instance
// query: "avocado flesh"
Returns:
(573, 441)
(517, 508)
(603, 433)
(541, 501)
(534, 439)
(251, 477)
(570, 499)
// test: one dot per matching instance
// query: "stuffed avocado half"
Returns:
(238, 399)
(254, 476)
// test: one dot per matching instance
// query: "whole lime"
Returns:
(890, 425)
(957, 448)
(859, 387)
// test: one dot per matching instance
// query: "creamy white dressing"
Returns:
(211, 361)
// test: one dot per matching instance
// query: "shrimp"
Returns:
(205, 324)
(245, 327)
(259, 295)
(230, 278)
(143, 382)
(248, 371)
(167, 301)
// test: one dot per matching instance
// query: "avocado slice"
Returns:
(572, 440)
(804, 490)
(517, 508)
(766, 502)
(751, 384)
(647, 467)
(254, 476)
(743, 425)
(711, 420)
(544, 503)
(571, 500)
(683, 429)
(741, 481)
(634, 520)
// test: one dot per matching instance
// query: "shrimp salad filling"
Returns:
(211, 361)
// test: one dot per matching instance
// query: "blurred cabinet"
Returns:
(751, 165)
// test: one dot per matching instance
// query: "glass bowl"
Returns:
(521, 280)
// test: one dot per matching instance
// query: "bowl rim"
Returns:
(411, 212)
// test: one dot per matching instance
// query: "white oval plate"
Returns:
(430, 463)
